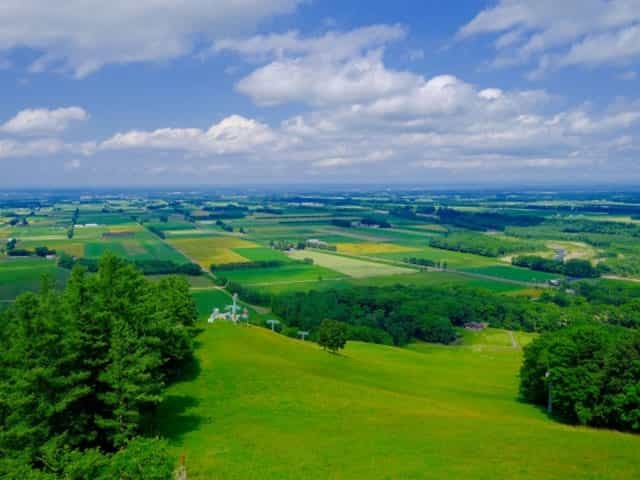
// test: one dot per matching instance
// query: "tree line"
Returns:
(575, 267)
(485, 245)
(83, 370)
(587, 374)
(149, 266)
(401, 313)
(486, 220)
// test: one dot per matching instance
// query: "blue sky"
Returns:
(225, 92)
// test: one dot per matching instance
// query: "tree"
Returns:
(332, 335)
(587, 374)
(82, 371)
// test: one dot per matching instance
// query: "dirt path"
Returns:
(514, 342)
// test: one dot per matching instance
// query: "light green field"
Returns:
(278, 276)
(350, 266)
(19, 275)
(262, 406)
(431, 278)
(453, 259)
(494, 337)
(514, 273)
(207, 251)
(261, 254)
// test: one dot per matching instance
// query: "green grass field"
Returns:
(286, 274)
(514, 273)
(437, 279)
(261, 254)
(350, 266)
(19, 275)
(453, 259)
(262, 406)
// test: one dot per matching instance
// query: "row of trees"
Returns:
(575, 267)
(486, 245)
(148, 267)
(486, 220)
(587, 374)
(83, 370)
(247, 265)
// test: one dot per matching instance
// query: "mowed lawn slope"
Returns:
(264, 406)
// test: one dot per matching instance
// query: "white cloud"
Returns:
(15, 149)
(42, 120)
(234, 134)
(330, 46)
(557, 34)
(308, 80)
(336, 67)
(85, 35)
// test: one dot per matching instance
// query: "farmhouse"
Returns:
(476, 326)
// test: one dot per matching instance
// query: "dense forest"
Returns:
(585, 374)
(83, 370)
(485, 245)
(400, 314)
(485, 220)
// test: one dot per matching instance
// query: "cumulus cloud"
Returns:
(88, 34)
(336, 67)
(234, 134)
(331, 46)
(557, 34)
(15, 149)
(43, 120)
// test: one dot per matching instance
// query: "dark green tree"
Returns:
(332, 335)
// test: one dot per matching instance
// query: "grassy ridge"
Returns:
(264, 406)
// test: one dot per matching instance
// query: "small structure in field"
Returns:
(476, 326)
(216, 314)
(316, 243)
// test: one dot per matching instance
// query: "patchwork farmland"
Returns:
(403, 279)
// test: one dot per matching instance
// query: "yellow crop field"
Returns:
(130, 227)
(206, 251)
(230, 242)
(372, 248)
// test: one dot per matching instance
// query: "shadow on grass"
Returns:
(187, 372)
(176, 417)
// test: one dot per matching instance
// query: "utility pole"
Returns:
(273, 324)
(234, 308)
(302, 334)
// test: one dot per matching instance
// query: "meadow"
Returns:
(21, 275)
(376, 412)
(514, 273)
(210, 250)
(350, 266)
(292, 273)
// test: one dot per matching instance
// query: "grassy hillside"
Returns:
(264, 406)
